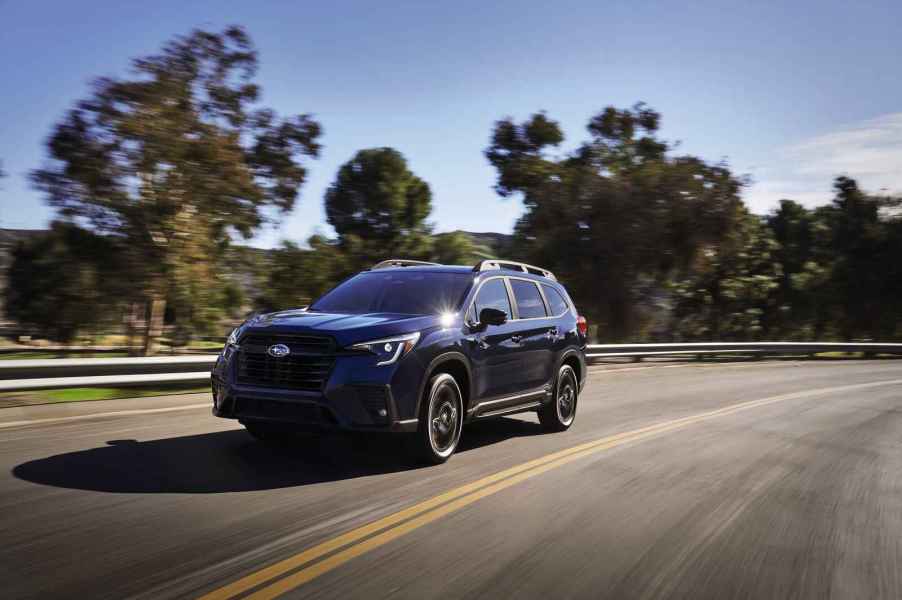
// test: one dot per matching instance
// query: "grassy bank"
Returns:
(11, 399)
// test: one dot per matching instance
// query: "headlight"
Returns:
(233, 337)
(389, 350)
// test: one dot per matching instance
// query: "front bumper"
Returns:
(356, 397)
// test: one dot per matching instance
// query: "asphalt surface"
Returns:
(796, 496)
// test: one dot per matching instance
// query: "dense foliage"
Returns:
(61, 283)
(655, 245)
(174, 161)
(618, 217)
(378, 206)
(154, 176)
(379, 209)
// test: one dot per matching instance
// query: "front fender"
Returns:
(445, 357)
(583, 373)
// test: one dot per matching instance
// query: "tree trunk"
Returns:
(156, 306)
(131, 328)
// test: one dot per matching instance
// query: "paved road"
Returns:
(765, 480)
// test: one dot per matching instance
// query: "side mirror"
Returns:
(492, 316)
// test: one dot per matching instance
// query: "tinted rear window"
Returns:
(405, 292)
(556, 303)
(529, 300)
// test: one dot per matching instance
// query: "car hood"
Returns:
(345, 329)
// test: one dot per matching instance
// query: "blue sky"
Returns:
(790, 93)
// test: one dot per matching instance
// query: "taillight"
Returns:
(582, 326)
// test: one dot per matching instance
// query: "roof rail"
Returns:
(512, 265)
(397, 262)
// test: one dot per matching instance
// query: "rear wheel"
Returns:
(559, 414)
(441, 420)
(272, 434)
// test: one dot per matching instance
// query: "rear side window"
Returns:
(556, 303)
(529, 299)
(493, 294)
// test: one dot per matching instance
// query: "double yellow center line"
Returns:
(292, 572)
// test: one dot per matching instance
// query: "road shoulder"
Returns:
(43, 413)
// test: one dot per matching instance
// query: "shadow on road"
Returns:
(232, 461)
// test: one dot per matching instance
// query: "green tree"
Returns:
(285, 287)
(841, 275)
(297, 276)
(617, 218)
(890, 321)
(63, 283)
(378, 208)
(803, 298)
(233, 299)
(860, 243)
(454, 248)
(733, 288)
(176, 159)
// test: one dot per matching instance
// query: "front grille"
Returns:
(306, 367)
(301, 344)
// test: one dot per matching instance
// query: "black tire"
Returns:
(271, 434)
(441, 420)
(559, 414)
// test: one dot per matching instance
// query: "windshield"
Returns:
(405, 292)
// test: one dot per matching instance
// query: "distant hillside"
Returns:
(490, 244)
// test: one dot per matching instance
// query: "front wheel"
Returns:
(559, 414)
(441, 420)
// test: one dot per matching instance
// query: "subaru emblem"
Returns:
(278, 350)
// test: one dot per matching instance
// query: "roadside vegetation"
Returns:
(30, 398)
(157, 178)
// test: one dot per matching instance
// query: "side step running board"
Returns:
(510, 410)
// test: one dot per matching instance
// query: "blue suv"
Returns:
(409, 347)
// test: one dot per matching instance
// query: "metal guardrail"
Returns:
(114, 381)
(83, 367)
(22, 375)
